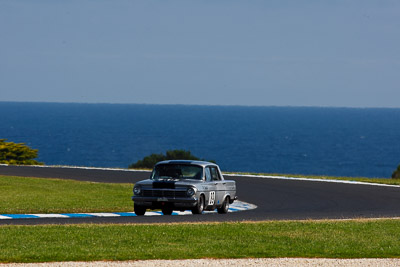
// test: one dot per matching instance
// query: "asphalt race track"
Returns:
(277, 199)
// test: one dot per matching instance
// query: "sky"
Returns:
(254, 53)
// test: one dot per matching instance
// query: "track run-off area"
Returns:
(270, 198)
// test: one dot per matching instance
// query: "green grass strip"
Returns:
(36, 195)
(324, 239)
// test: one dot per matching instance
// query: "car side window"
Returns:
(208, 174)
(214, 174)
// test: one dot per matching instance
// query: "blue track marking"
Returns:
(20, 216)
(125, 214)
(77, 215)
(235, 207)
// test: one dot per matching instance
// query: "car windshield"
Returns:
(177, 171)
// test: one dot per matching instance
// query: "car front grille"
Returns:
(164, 193)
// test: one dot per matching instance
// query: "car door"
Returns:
(219, 185)
(211, 192)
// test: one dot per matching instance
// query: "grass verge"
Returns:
(323, 239)
(36, 195)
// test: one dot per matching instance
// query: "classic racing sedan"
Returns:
(184, 185)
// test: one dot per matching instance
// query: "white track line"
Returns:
(310, 180)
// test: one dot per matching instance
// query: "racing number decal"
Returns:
(211, 200)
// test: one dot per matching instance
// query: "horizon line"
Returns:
(197, 105)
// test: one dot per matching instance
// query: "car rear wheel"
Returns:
(225, 206)
(199, 206)
(139, 210)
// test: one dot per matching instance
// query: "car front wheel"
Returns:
(166, 210)
(139, 210)
(199, 206)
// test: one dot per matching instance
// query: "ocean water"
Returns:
(287, 140)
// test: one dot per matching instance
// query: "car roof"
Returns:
(188, 162)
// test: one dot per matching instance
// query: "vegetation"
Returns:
(17, 154)
(149, 161)
(307, 239)
(396, 173)
(36, 195)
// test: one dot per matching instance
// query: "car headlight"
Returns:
(190, 192)
(137, 190)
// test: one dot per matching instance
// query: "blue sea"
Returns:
(286, 140)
